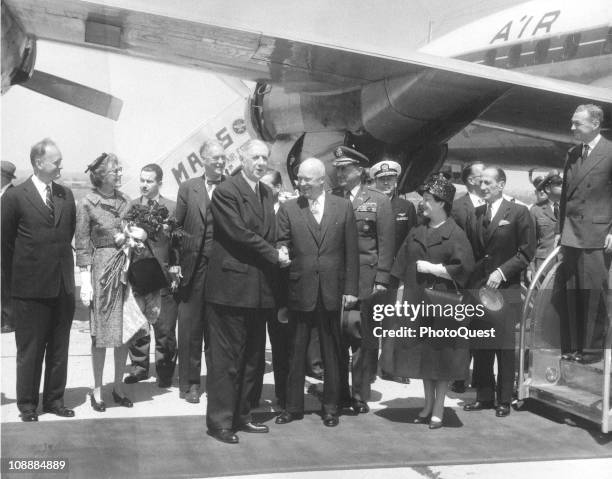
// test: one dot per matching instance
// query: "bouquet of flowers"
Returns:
(154, 219)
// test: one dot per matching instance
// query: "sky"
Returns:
(162, 105)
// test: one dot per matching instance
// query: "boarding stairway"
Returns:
(577, 388)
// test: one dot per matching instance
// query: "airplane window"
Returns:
(514, 56)
(541, 50)
(570, 48)
(490, 56)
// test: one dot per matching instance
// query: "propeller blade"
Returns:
(75, 94)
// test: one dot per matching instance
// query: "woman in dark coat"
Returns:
(435, 254)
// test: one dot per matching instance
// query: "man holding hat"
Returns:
(545, 215)
(385, 175)
(8, 175)
(376, 238)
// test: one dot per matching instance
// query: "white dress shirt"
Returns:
(354, 192)
(41, 188)
(252, 184)
(476, 200)
(317, 205)
(4, 188)
(145, 201)
(495, 207)
(592, 144)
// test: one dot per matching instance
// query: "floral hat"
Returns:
(439, 186)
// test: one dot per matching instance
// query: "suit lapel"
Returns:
(34, 198)
(501, 214)
(201, 197)
(309, 219)
(249, 195)
(59, 197)
(329, 208)
(588, 164)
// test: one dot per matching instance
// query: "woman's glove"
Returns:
(430, 268)
(86, 288)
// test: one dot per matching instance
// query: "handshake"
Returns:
(283, 257)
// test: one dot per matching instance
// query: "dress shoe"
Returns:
(134, 378)
(360, 407)
(223, 435)
(421, 419)
(164, 383)
(590, 358)
(435, 424)
(29, 416)
(96, 406)
(286, 417)
(502, 410)
(193, 396)
(61, 411)
(458, 387)
(122, 401)
(569, 356)
(478, 406)
(330, 420)
(254, 427)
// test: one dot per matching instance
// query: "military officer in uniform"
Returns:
(385, 175)
(376, 238)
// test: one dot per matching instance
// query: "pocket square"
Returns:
(503, 223)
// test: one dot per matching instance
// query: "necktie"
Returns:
(314, 208)
(151, 202)
(585, 151)
(347, 195)
(213, 182)
(49, 200)
(556, 210)
(488, 215)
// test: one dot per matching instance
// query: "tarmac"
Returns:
(391, 401)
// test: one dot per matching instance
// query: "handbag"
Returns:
(146, 276)
(443, 297)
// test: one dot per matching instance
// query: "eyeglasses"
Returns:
(116, 171)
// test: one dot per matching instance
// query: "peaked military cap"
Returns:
(348, 156)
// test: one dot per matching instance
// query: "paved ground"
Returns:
(465, 449)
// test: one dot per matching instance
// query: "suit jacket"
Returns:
(586, 199)
(462, 211)
(194, 215)
(324, 257)
(162, 248)
(243, 261)
(376, 237)
(37, 245)
(508, 243)
(545, 225)
(404, 214)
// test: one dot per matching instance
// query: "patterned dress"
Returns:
(98, 220)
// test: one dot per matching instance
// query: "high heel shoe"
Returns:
(435, 424)
(122, 401)
(421, 419)
(97, 406)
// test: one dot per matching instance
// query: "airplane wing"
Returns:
(402, 94)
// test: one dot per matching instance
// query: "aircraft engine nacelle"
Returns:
(314, 124)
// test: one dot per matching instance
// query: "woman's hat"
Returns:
(439, 186)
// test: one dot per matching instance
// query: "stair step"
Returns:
(583, 376)
(576, 401)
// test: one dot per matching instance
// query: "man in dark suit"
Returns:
(239, 292)
(320, 232)
(38, 223)
(151, 177)
(503, 245)
(7, 177)
(464, 207)
(585, 229)
(193, 213)
(376, 239)
(463, 211)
